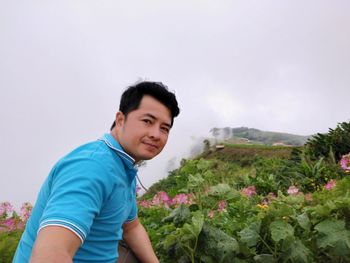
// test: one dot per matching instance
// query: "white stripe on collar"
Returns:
(124, 154)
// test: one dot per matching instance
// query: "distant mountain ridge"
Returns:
(252, 135)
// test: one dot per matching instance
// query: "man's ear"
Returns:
(119, 119)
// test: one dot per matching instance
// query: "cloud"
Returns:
(65, 64)
(226, 108)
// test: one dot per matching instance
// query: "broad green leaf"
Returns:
(170, 240)
(197, 222)
(304, 221)
(194, 181)
(283, 209)
(225, 250)
(178, 216)
(281, 230)
(187, 233)
(330, 226)
(232, 194)
(220, 189)
(250, 234)
(191, 231)
(298, 252)
(333, 234)
(217, 244)
(287, 243)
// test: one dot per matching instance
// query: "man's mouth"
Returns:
(151, 145)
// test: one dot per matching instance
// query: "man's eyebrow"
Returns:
(154, 118)
(149, 115)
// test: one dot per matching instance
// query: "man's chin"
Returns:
(149, 156)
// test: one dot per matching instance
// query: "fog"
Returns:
(272, 65)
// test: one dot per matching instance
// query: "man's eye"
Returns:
(147, 121)
(165, 129)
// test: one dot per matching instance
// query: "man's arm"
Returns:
(137, 239)
(55, 244)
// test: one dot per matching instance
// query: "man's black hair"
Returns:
(133, 95)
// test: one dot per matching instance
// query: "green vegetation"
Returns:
(8, 245)
(246, 203)
(252, 203)
(11, 228)
(332, 145)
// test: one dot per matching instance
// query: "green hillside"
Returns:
(258, 136)
(255, 203)
(238, 157)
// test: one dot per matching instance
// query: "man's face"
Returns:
(144, 133)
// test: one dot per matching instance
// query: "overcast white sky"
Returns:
(272, 65)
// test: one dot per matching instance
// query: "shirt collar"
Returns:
(112, 143)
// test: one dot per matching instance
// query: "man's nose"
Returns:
(155, 132)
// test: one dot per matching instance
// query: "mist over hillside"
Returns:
(252, 135)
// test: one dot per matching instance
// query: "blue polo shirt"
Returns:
(91, 192)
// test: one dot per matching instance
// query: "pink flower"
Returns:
(161, 198)
(182, 199)
(222, 206)
(145, 203)
(26, 210)
(345, 162)
(211, 214)
(10, 224)
(5, 208)
(249, 191)
(330, 185)
(292, 190)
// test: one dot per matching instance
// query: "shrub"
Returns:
(333, 144)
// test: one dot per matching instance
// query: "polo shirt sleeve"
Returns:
(78, 190)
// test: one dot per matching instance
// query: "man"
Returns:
(87, 203)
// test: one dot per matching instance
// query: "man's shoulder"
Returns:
(95, 153)
(89, 164)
